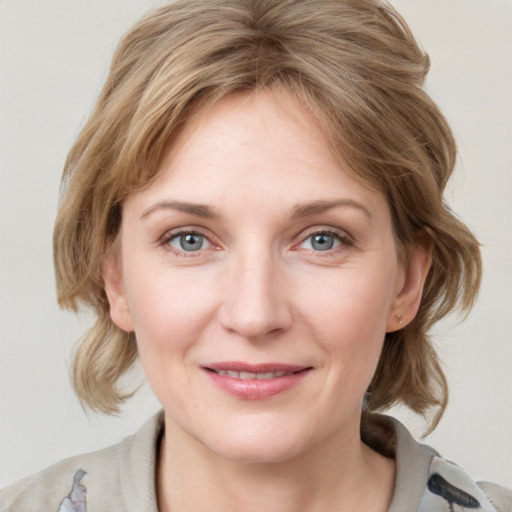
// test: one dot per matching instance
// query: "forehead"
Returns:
(259, 123)
(259, 146)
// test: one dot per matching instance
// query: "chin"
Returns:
(258, 443)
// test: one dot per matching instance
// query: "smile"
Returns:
(251, 375)
(255, 382)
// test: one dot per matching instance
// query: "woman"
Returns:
(255, 208)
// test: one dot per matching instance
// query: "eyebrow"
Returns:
(199, 210)
(299, 211)
(316, 207)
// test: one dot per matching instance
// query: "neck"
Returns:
(341, 474)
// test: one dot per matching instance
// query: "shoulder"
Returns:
(425, 481)
(53, 488)
(448, 483)
(100, 480)
(499, 496)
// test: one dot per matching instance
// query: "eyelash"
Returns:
(342, 237)
(169, 236)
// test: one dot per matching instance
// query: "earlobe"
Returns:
(114, 288)
(408, 299)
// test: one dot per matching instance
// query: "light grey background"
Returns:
(53, 58)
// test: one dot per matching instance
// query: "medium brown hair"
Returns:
(357, 67)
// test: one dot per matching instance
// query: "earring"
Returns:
(399, 318)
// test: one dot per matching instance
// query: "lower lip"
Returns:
(256, 389)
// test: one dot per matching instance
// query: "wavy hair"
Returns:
(356, 66)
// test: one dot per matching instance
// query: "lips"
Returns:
(255, 381)
(251, 375)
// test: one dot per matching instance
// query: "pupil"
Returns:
(322, 242)
(191, 242)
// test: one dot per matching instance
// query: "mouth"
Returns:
(250, 375)
(255, 382)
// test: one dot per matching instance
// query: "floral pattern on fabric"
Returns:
(450, 489)
(76, 500)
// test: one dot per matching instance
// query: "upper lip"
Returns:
(238, 366)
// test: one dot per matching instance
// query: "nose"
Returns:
(255, 304)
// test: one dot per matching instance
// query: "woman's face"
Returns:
(260, 280)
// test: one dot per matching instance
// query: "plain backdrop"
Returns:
(54, 56)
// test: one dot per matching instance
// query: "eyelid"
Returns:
(326, 230)
(172, 234)
(345, 239)
(178, 237)
(342, 236)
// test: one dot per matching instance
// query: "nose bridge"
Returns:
(255, 303)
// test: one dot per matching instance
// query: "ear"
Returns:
(410, 285)
(114, 288)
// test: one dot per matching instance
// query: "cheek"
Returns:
(170, 317)
(351, 301)
(168, 309)
(348, 314)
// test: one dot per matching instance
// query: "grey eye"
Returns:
(190, 242)
(321, 242)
